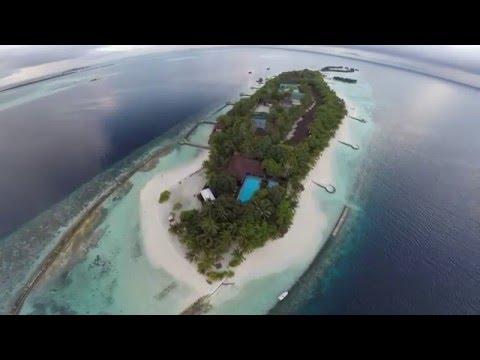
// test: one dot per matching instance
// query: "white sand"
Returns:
(162, 249)
(299, 245)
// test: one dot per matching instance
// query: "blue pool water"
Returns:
(250, 186)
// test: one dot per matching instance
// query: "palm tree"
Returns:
(287, 168)
(221, 213)
(191, 256)
(209, 226)
(208, 210)
(263, 208)
(238, 253)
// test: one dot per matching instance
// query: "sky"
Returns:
(23, 62)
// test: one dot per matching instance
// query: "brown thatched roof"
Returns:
(239, 166)
(220, 125)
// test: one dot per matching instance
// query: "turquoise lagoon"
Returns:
(115, 276)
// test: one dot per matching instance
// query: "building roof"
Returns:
(259, 123)
(220, 125)
(240, 166)
(290, 86)
(262, 109)
(207, 194)
(297, 95)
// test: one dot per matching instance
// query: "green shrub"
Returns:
(234, 262)
(164, 196)
(177, 206)
(215, 276)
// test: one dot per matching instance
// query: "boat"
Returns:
(283, 295)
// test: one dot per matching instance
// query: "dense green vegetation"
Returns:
(339, 69)
(164, 196)
(177, 206)
(226, 225)
(346, 80)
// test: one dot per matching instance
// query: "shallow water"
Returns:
(409, 244)
(260, 295)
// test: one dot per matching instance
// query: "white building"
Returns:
(207, 195)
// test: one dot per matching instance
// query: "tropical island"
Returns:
(339, 69)
(260, 151)
(345, 80)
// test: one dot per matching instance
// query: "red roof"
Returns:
(219, 125)
(239, 166)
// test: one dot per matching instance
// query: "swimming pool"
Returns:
(250, 186)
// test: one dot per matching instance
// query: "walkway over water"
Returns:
(361, 120)
(354, 147)
(340, 221)
(184, 142)
(228, 103)
(328, 188)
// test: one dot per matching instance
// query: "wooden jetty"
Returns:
(354, 147)
(328, 188)
(340, 221)
(361, 120)
(194, 145)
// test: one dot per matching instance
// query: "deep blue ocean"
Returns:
(411, 245)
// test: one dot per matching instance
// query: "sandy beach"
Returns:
(297, 248)
(163, 250)
(299, 245)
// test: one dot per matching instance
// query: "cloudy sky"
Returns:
(23, 62)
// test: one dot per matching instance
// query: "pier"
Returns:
(354, 147)
(202, 304)
(190, 132)
(281, 307)
(228, 103)
(361, 120)
(244, 95)
(328, 188)
(340, 221)
(184, 142)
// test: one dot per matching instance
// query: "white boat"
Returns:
(283, 295)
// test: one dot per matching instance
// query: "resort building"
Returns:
(239, 167)
(219, 126)
(296, 97)
(259, 118)
(207, 195)
(250, 174)
(289, 86)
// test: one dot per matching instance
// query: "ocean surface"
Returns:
(409, 246)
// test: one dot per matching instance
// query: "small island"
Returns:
(339, 69)
(260, 151)
(345, 80)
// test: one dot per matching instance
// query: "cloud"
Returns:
(22, 62)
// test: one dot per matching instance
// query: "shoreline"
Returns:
(299, 246)
(64, 240)
(36, 275)
(305, 238)
(162, 249)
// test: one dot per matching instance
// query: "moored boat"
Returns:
(283, 295)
